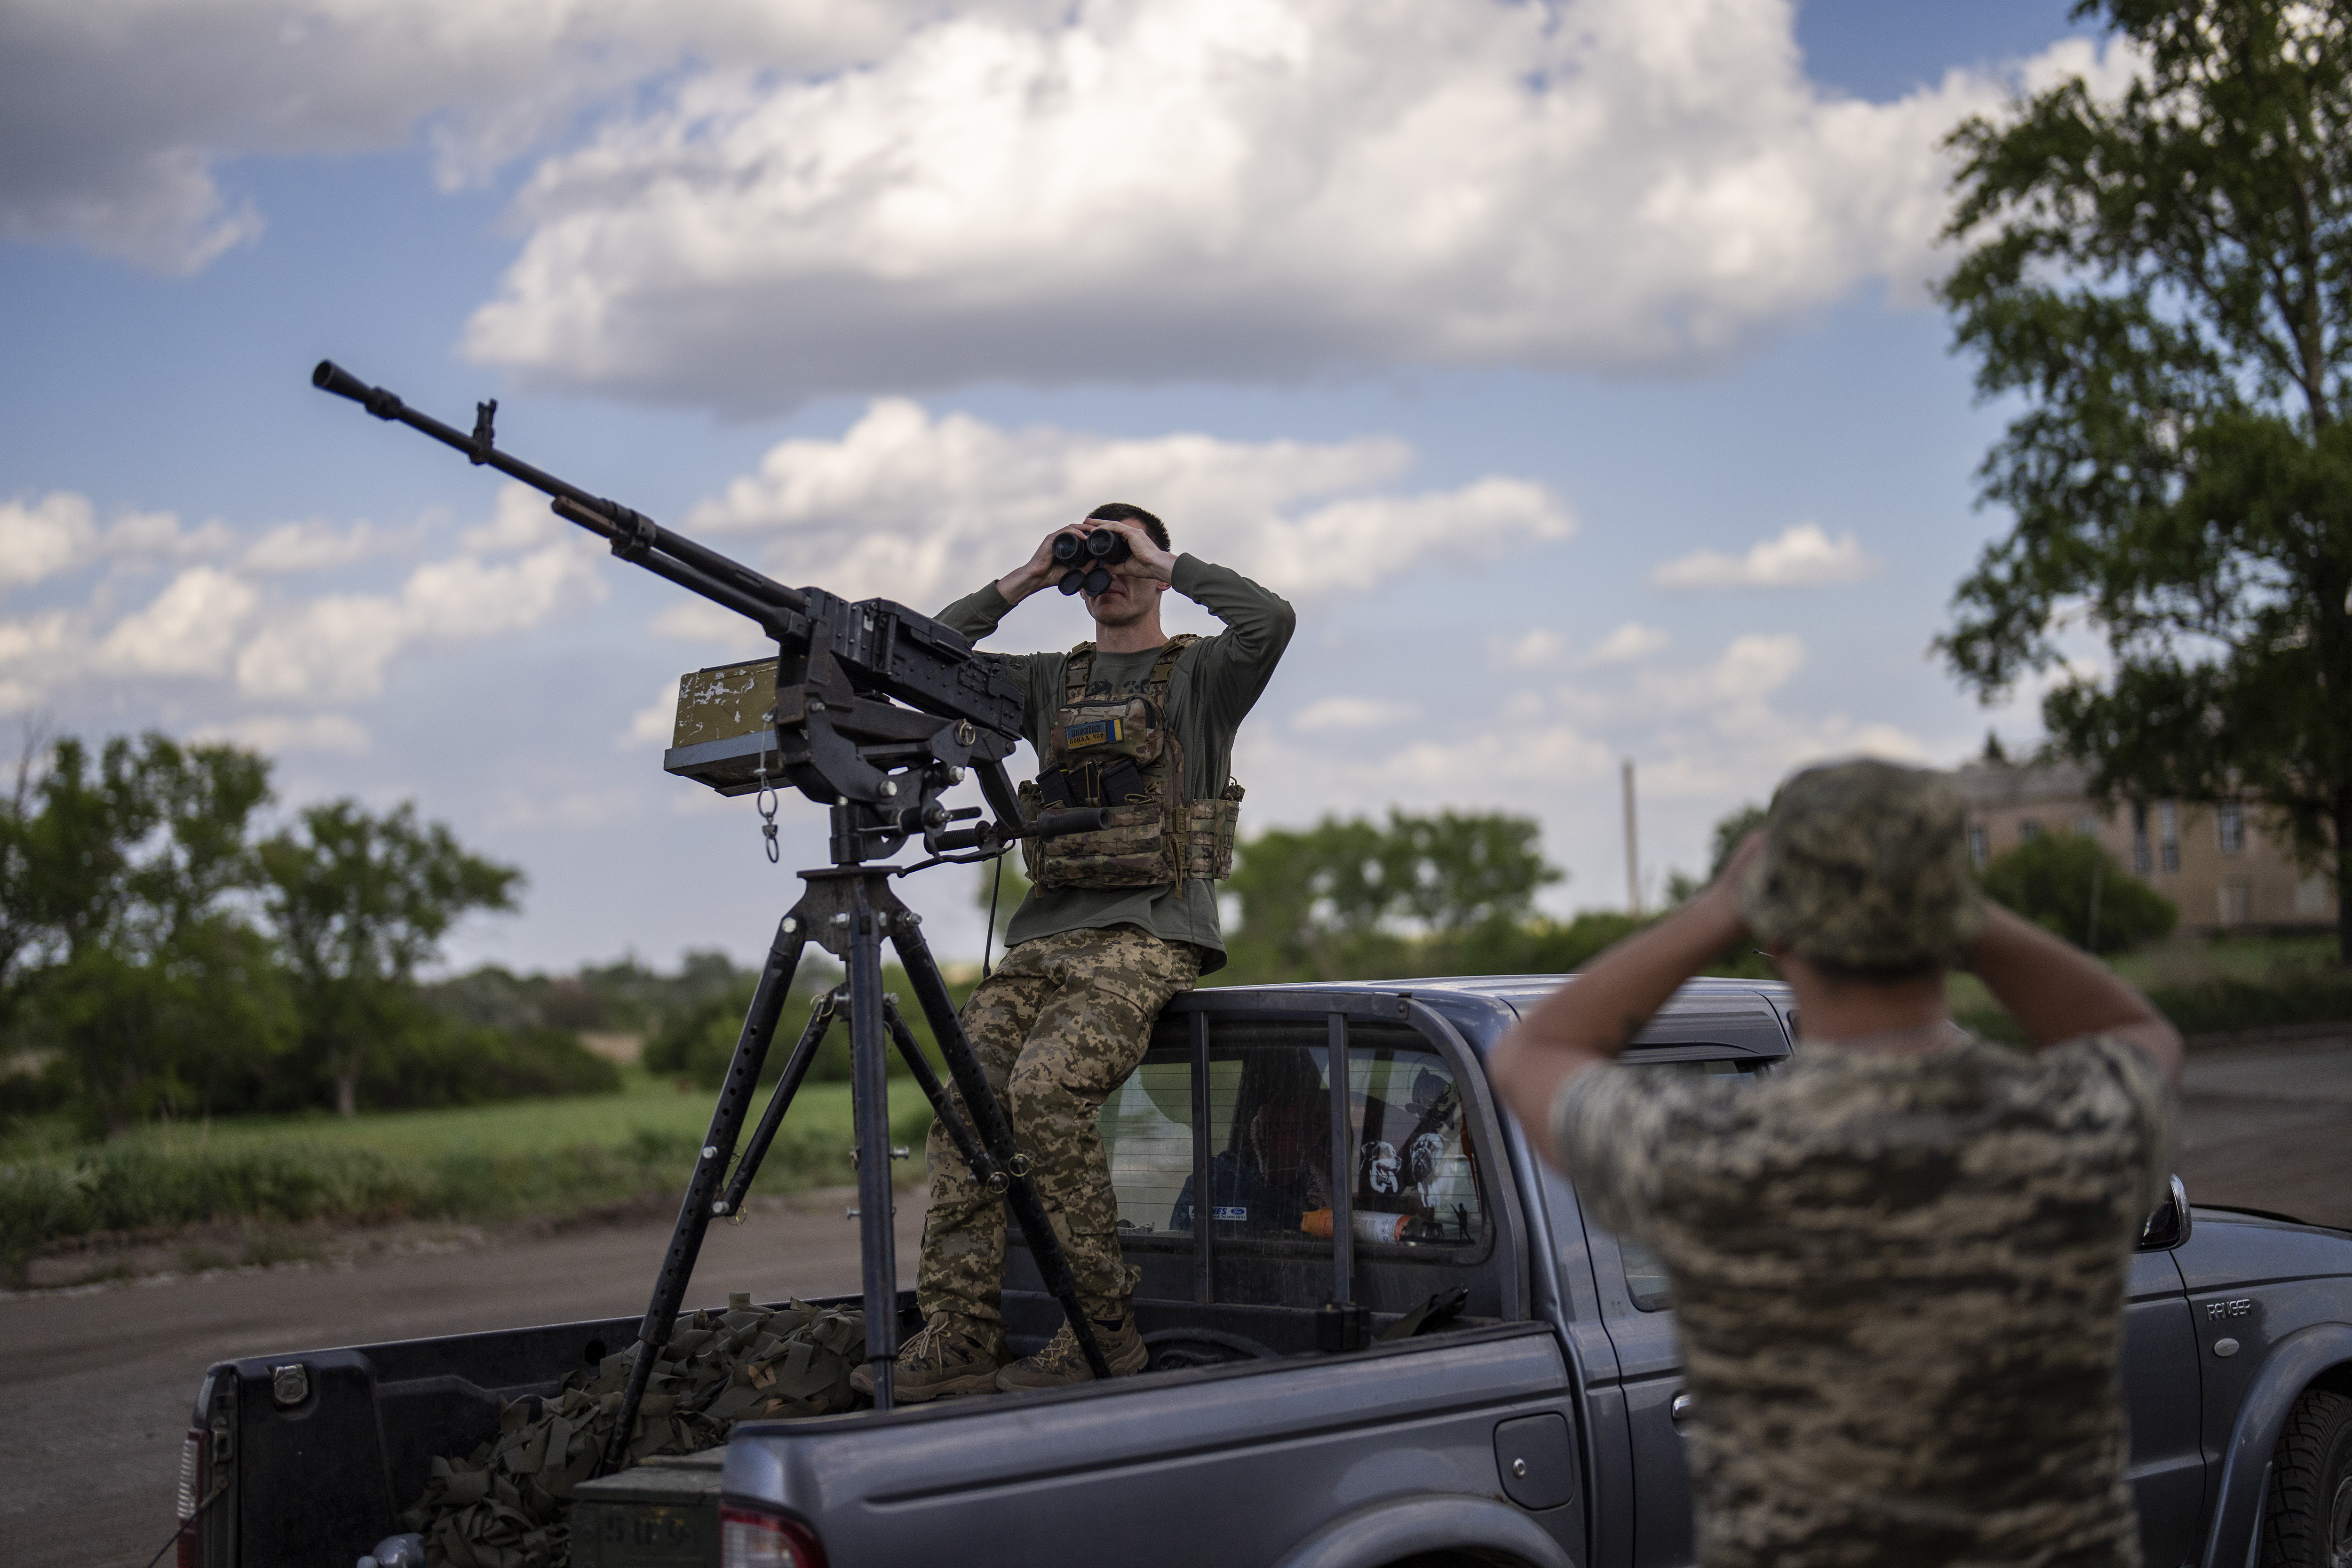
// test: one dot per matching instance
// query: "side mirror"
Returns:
(2167, 1226)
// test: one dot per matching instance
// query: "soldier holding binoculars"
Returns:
(1116, 921)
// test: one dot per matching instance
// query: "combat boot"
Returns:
(1062, 1363)
(947, 1355)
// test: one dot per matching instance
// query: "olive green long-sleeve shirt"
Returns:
(1215, 683)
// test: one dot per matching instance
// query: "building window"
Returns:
(2029, 830)
(2088, 826)
(2168, 826)
(2142, 862)
(2237, 898)
(2311, 895)
(1979, 845)
(2229, 827)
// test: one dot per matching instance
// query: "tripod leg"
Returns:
(984, 1169)
(870, 1108)
(995, 1131)
(796, 1067)
(702, 1188)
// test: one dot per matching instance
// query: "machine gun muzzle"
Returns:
(329, 376)
(1089, 557)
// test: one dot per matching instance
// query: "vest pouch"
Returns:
(1210, 827)
(1130, 850)
(1098, 729)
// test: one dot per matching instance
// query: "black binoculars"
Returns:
(1089, 557)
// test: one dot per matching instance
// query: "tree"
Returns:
(360, 903)
(1455, 873)
(128, 942)
(2068, 885)
(1342, 896)
(2164, 279)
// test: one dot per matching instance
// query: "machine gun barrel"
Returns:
(833, 732)
(633, 535)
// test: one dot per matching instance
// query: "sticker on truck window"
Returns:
(1230, 1211)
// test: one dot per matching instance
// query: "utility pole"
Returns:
(1633, 853)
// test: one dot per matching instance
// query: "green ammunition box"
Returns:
(722, 731)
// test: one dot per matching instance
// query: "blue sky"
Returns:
(1568, 367)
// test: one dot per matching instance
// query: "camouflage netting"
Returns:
(507, 1505)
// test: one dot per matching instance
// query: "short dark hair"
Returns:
(1120, 511)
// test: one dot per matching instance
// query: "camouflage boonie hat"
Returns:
(1864, 864)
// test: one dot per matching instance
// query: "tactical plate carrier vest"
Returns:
(1120, 752)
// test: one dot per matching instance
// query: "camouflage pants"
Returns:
(1057, 1028)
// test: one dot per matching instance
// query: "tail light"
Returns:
(195, 1481)
(749, 1539)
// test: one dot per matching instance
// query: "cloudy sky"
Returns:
(1569, 365)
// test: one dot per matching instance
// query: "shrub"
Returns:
(2221, 1007)
(2053, 879)
(443, 1063)
(700, 1043)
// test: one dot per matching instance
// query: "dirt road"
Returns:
(96, 1384)
(2271, 1129)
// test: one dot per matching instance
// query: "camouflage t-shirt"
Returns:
(1899, 1284)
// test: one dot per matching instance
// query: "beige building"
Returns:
(2214, 862)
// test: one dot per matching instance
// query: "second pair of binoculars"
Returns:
(1089, 557)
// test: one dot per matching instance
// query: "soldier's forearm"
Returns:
(1258, 621)
(2058, 992)
(977, 613)
(1592, 1017)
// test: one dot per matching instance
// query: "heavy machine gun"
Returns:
(879, 710)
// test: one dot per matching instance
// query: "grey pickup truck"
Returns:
(1505, 1389)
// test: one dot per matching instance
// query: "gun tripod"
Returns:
(848, 911)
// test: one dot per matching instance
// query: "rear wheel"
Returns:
(2307, 1518)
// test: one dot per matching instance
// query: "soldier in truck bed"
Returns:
(1117, 922)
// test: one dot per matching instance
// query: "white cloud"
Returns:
(141, 536)
(317, 546)
(1535, 649)
(336, 647)
(1151, 189)
(870, 196)
(191, 628)
(700, 620)
(653, 725)
(1801, 557)
(276, 734)
(1629, 644)
(1333, 713)
(59, 532)
(917, 506)
(43, 538)
(1751, 669)
(39, 641)
(520, 519)
(113, 113)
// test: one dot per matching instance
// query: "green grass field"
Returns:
(646, 1105)
(491, 1162)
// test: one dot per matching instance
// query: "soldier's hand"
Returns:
(1036, 572)
(1144, 559)
(1742, 858)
